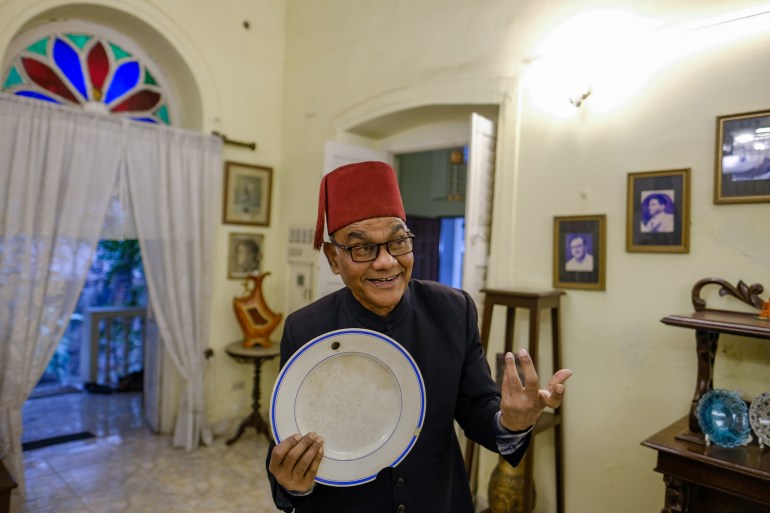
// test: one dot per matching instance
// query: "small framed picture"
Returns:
(658, 212)
(244, 254)
(247, 194)
(579, 252)
(742, 172)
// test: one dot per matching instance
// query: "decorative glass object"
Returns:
(86, 70)
(759, 418)
(724, 418)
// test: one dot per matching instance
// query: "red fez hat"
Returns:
(354, 192)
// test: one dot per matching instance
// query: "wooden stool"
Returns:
(534, 302)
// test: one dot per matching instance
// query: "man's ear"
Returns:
(331, 257)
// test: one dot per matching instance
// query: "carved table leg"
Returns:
(677, 496)
(254, 420)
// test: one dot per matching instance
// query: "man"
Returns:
(659, 221)
(246, 256)
(581, 260)
(370, 247)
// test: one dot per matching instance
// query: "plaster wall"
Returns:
(227, 77)
(347, 63)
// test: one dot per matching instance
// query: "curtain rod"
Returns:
(251, 145)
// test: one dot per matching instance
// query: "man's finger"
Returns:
(531, 381)
(511, 382)
(281, 450)
(312, 470)
(313, 444)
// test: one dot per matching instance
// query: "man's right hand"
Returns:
(295, 461)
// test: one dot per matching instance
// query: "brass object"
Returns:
(506, 488)
(255, 317)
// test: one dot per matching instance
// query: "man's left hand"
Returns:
(522, 403)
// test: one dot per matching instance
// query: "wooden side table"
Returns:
(254, 355)
(534, 301)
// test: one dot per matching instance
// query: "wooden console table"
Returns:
(701, 478)
(254, 355)
(534, 302)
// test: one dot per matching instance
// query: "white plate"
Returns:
(759, 418)
(362, 392)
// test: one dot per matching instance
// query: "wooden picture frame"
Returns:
(742, 161)
(658, 212)
(247, 194)
(244, 254)
(579, 252)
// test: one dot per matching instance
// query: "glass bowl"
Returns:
(724, 418)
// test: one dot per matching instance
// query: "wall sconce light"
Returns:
(577, 101)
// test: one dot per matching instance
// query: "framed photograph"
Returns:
(244, 254)
(743, 158)
(247, 194)
(579, 252)
(658, 212)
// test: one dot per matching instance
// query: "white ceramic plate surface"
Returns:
(362, 392)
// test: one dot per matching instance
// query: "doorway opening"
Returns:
(101, 350)
(433, 187)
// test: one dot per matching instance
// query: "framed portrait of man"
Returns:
(658, 212)
(579, 252)
(247, 194)
(244, 254)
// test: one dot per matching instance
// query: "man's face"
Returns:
(577, 248)
(378, 285)
(655, 207)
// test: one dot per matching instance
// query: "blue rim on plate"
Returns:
(759, 418)
(362, 392)
(724, 418)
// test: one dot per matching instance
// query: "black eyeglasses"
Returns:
(369, 252)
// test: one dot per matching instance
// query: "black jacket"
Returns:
(438, 326)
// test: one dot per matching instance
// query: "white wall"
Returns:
(347, 62)
(231, 78)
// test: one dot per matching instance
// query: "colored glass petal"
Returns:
(146, 120)
(37, 96)
(44, 76)
(149, 79)
(41, 47)
(13, 78)
(118, 52)
(98, 67)
(69, 62)
(143, 100)
(162, 113)
(126, 78)
(79, 40)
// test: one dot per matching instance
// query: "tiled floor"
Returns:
(126, 468)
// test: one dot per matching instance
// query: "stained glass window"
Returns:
(79, 68)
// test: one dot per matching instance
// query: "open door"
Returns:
(478, 224)
(335, 155)
(478, 206)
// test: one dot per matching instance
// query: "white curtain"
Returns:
(57, 168)
(174, 184)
